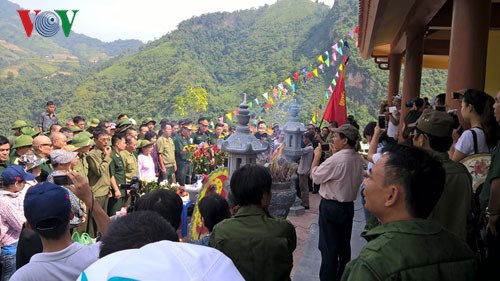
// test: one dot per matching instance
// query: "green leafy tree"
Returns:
(193, 102)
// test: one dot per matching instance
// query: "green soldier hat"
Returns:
(94, 122)
(19, 124)
(75, 129)
(22, 141)
(143, 143)
(29, 132)
(87, 133)
(123, 122)
(147, 120)
(82, 140)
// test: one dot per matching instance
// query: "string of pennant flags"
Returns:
(287, 87)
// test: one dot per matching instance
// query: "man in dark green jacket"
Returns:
(432, 133)
(4, 153)
(401, 191)
(260, 246)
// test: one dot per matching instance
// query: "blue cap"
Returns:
(46, 201)
(15, 173)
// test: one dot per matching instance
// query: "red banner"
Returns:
(336, 108)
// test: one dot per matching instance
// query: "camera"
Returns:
(381, 121)
(135, 184)
(62, 180)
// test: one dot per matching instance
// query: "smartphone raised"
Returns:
(381, 121)
(62, 180)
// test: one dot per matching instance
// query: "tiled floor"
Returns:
(307, 257)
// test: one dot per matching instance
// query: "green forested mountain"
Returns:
(226, 54)
(59, 54)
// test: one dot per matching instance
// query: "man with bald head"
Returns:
(59, 140)
(42, 146)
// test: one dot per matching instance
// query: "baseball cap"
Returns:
(435, 122)
(46, 201)
(61, 156)
(15, 173)
(348, 130)
(156, 260)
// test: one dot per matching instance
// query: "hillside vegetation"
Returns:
(226, 54)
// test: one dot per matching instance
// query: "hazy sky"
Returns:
(145, 20)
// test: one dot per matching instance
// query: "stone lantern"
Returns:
(294, 131)
(242, 147)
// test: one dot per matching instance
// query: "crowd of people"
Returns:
(61, 179)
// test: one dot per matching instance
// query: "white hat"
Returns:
(156, 261)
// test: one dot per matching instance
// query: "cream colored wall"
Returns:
(492, 79)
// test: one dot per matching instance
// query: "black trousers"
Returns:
(335, 226)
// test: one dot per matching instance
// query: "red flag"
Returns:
(336, 108)
(296, 76)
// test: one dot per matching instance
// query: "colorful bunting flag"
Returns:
(310, 75)
(327, 62)
(340, 51)
(346, 44)
(266, 95)
(313, 119)
(337, 74)
(271, 100)
(334, 48)
(330, 89)
(275, 92)
(320, 58)
(296, 76)
(268, 106)
(281, 86)
(229, 116)
(235, 112)
(341, 67)
(263, 111)
(321, 67)
(304, 69)
(288, 81)
(256, 101)
(326, 53)
(320, 107)
(351, 34)
(334, 82)
(250, 104)
(315, 72)
(341, 42)
(221, 119)
(334, 57)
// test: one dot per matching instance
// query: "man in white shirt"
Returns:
(47, 208)
(392, 117)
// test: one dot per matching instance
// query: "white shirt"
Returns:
(164, 260)
(392, 130)
(146, 167)
(465, 143)
(63, 265)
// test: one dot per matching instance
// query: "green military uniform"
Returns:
(412, 250)
(493, 173)
(206, 137)
(99, 180)
(181, 158)
(453, 207)
(261, 247)
(131, 165)
(166, 149)
(82, 167)
(117, 169)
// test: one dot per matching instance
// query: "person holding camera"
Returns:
(392, 117)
